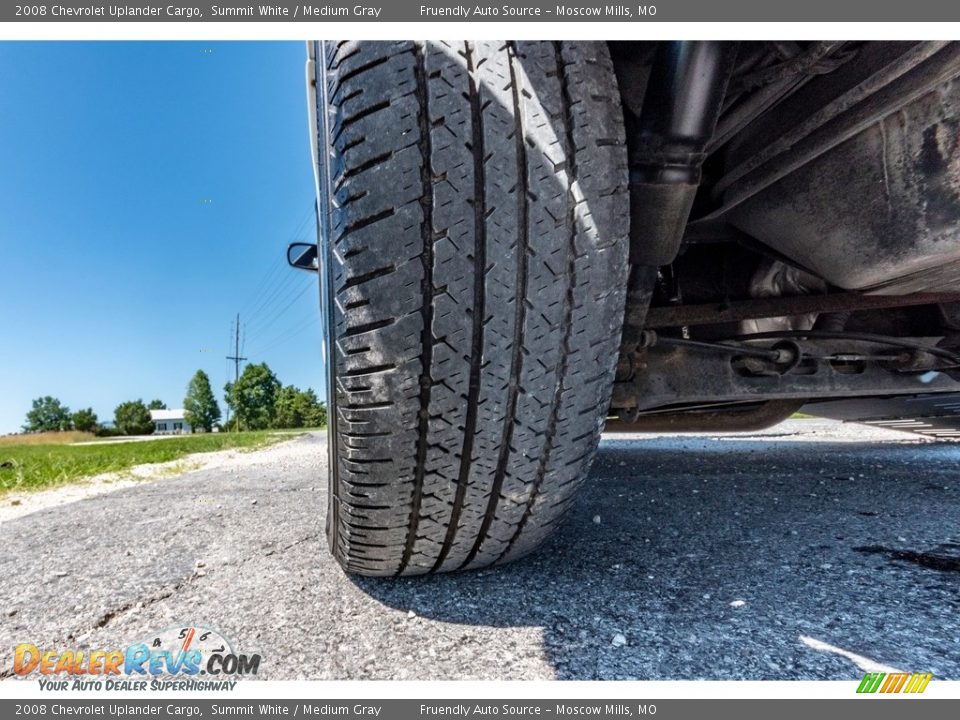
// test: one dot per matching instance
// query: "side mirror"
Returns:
(303, 256)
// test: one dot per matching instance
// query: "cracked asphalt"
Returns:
(804, 552)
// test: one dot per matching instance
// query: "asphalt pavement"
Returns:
(814, 550)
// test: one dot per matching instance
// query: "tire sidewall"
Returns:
(321, 137)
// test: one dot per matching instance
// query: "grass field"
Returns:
(47, 438)
(32, 465)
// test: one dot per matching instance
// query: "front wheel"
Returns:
(475, 256)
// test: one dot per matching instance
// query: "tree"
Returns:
(85, 420)
(133, 418)
(252, 398)
(157, 405)
(313, 411)
(295, 408)
(47, 415)
(200, 406)
(286, 411)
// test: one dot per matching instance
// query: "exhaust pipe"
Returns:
(668, 143)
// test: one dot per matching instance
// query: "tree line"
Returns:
(257, 401)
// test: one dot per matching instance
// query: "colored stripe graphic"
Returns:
(870, 683)
(921, 682)
(894, 682)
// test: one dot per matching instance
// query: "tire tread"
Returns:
(477, 251)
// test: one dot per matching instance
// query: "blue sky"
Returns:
(147, 193)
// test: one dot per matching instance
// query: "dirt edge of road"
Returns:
(16, 504)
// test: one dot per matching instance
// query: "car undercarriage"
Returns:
(794, 228)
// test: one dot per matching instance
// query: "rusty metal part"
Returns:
(662, 376)
(711, 313)
(753, 417)
(926, 346)
(775, 278)
(916, 73)
(640, 287)
(804, 62)
(870, 201)
(771, 85)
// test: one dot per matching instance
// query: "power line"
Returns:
(265, 324)
(290, 298)
(280, 263)
(297, 321)
(310, 322)
(266, 286)
(279, 294)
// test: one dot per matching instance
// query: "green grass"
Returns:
(32, 466)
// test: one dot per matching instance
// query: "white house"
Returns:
(169, 422)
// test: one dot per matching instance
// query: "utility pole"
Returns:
(236, 364)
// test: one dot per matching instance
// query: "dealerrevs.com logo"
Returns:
(178, 658)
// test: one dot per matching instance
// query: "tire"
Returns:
(474, 218)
